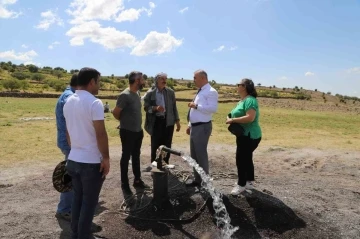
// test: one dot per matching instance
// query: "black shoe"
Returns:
(95, 228)
(64, 215)
(140, 184)
(126, 188)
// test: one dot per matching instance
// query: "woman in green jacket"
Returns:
(246, 113)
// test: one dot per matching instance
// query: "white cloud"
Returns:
(109, 37)
(87, 10)
(152, 6)
(220, 48)
(4, 12)
(20, 56)
(130, 15)
(24, 46)
(354, 70)
(32, 63)
(183, 10)
(48, 18)
(283, 78)
(156, 43)
(309, 73)
(52, 45)
(133, 14)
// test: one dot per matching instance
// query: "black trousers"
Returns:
(244, 158)
(162, 135)
(131, 145)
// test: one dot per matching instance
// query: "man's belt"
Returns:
(200, 123)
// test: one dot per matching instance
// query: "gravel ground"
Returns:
(300, 193)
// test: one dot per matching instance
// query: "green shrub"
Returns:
(11, 84)
(59, 86)
(37, 77)
(24, 85)
(20, 75)
(106, 79)
(33, 68)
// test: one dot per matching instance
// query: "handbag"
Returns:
(236, 129)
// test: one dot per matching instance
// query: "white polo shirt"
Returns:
(80, 110)
(207, 101)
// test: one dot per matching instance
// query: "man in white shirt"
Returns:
(88, 161)
(199, 128)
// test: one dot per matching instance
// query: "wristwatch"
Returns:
(196, 106)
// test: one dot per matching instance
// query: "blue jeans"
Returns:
(64, 205)
(87, 182)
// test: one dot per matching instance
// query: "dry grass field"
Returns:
(31, 139)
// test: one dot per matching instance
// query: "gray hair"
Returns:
(202, 72)
(161, 74)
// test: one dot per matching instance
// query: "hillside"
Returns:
(47, 80)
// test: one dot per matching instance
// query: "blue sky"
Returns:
(313, 44)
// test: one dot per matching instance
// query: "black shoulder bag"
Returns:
(236, 129)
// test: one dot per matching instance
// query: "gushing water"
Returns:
(221, 215)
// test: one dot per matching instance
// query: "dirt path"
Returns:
(301, 193)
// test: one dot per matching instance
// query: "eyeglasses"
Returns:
(240, 85)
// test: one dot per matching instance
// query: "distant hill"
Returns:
(34, 79)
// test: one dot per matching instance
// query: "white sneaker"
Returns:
(171, 166)
(237, 190)
(249, 185)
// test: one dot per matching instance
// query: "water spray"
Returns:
(160, 189)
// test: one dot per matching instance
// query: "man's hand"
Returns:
(105, 167)
(159, 108)
(188, 130)
(192, 105)
(178, 126)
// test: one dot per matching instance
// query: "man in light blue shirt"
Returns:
(64, 207)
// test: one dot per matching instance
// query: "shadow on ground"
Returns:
(66, 225)
(189, 213)
(257, 214)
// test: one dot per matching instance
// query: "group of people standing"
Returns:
(83, 139)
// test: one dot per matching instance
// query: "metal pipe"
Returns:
(171, 151)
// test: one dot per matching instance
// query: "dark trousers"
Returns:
(86, 182)
(131, 145)
(244, 158)
(162, 135)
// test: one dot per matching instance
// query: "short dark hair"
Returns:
(132, 76)
(74, 80)
(249, 87)
(86, 74)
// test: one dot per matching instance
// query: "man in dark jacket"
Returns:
(161, 115)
